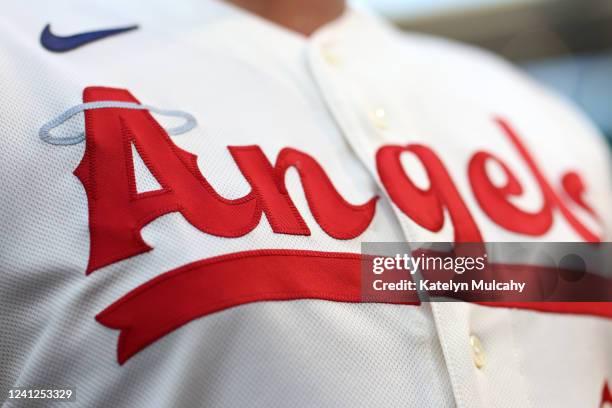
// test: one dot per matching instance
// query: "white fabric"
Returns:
(250, 82)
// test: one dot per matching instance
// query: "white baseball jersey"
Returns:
(183, 203)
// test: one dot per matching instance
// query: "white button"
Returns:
(478, 353)
(330, 55)
(378, 116)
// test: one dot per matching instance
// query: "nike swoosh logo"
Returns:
(56, 43)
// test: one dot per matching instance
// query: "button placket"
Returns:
(330, 53)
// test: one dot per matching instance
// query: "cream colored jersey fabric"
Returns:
(354, 86)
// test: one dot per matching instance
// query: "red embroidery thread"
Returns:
(426, 207)
(117, 212)
(179, 296)
(337, 217)
(494, 201)
(174, 298)
(606, 395)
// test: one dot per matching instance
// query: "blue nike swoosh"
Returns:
(58, 43)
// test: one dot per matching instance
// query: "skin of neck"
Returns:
(301, 16)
